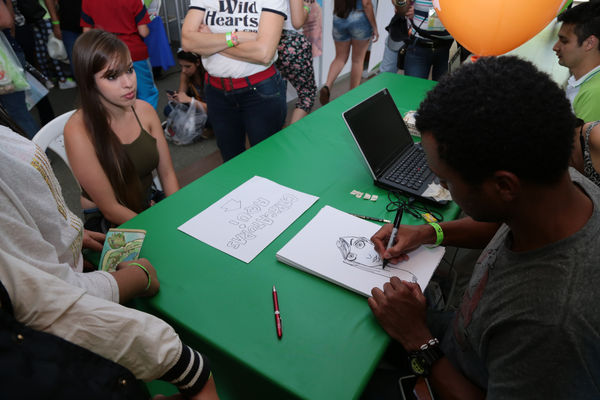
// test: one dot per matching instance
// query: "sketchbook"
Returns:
(336, 246)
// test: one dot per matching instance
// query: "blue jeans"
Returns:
(15, 106)
(389, 63)
(69, 38)
(419, 61)
(146, 89)
(356, 26)
(258, 111)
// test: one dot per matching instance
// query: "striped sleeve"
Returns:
(190, 373)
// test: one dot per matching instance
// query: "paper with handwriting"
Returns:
(244, 222)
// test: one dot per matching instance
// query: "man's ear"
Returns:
(507, 185)
(591, 43)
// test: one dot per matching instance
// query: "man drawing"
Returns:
(528, 325)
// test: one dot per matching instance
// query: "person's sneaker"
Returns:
(67, 84)
(49, 85)
(324, 95)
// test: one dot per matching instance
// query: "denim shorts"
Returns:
(356, 27)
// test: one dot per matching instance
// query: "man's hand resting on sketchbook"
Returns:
(409, 237)
(401, 301)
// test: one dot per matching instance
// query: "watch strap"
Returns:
(423, 359)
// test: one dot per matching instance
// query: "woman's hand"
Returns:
(183, 97)
(173, 97)
(375, 36)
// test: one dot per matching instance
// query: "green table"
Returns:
(223, 307)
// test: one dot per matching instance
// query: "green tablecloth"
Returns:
(223, 307)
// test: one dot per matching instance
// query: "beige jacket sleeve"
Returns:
(140, 342)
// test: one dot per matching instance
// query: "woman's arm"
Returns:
(166, 172)
(255, 48)
(51, 7)
(90, 174)
(576, 160)
(205, 44)
(368, 9)
(262, 49)
(143, 30)
(298, 13)
(181, 96)
(594, 145)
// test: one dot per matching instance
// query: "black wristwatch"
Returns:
(422, 360)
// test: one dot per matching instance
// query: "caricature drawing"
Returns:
(359, 252)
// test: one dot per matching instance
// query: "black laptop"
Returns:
(395, 161)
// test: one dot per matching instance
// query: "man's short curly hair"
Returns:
(586, 20)
(500, 113)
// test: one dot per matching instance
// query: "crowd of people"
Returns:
(519, 154)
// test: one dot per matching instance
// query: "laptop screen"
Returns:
(379, 130)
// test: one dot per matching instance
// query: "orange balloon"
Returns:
(494, 27)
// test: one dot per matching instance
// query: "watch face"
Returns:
(417, 365)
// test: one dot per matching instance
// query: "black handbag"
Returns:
(397, 28)
(402, 55)
(38, 365)
(398, 32)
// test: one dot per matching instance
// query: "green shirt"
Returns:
(586, 103)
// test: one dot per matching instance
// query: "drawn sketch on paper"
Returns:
(359, 252)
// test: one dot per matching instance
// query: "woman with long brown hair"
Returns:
(114, 141)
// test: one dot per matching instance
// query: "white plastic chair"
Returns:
(51, 136)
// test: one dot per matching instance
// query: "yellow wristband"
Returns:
(307, 8)
(228, 40)
(55, 22)
(439, 234)
(146, 271)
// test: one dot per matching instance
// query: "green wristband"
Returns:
(146, 271)
(439, 234)
(55, 22)
(307, 8)
(228, 40)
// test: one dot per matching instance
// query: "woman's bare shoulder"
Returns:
(74, 128)
(147, 115)
(594, 140)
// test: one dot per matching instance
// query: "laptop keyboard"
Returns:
(412, 171)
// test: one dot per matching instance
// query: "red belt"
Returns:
(228, 84)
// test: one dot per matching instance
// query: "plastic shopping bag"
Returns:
(185, 123)
(12, 77)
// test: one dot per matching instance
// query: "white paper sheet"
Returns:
(246, 220)
(336, 246)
